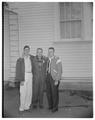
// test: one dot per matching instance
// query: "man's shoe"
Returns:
(27, 109)
(50, 108)
(21, 109)
(41, 106)
(54, 110)
(34, 106)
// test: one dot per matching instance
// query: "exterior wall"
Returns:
(6, 47)
(76, 58)
(10, 44)
(38, 27)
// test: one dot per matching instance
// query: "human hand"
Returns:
(56, 83)
(22, 83)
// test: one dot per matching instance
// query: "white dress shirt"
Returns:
(27, 64)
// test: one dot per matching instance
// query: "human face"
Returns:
(50, 53)
(40, 53)
(26, 51)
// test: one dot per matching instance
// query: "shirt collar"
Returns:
(27, 57)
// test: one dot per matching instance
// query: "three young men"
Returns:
(33, 72)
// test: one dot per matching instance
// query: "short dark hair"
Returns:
(26, 46)
(39, 49)
(52, 48)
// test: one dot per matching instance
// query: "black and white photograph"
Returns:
(47, 59)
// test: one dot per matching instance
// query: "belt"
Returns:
(28, 72)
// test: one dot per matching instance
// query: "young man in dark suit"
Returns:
(54, 72)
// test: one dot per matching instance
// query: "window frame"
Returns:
(57, 38)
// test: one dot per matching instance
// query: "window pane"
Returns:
(91, 9)
(70, 11)
(70, 19)
(92, 28)
(70, 29)
(65, 11)
(76, 11)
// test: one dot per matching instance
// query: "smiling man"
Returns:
(24, 76)
(54, 72)
(40, 63)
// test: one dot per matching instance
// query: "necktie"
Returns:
(49, 67)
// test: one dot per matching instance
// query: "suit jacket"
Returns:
(56, 68)
(20, 69)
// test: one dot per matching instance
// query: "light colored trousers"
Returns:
(26, 92)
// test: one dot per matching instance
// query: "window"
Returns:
(70, 20)
(91, 9)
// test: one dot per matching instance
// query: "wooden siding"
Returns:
(37, 29)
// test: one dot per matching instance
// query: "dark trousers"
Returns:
(52, 92)
(38, 90)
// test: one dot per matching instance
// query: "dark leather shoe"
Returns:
(54, 110)
(50, 108)
(41, 106)
(34, 106)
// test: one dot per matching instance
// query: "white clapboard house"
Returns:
(67, 26)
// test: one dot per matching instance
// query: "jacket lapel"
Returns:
(23, 66)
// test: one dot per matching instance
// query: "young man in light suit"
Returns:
(24, 75)
(54, 72)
